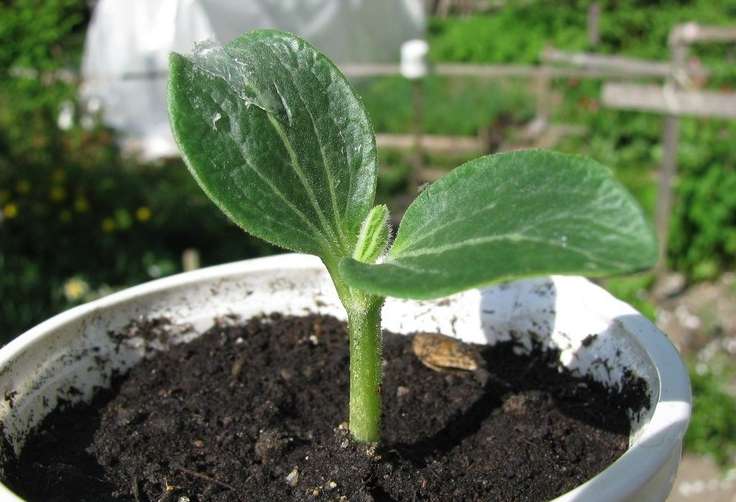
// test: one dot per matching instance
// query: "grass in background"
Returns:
(712, 429)
(451, 105)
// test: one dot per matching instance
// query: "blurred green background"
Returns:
(78, 219)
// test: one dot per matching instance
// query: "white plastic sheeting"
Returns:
(124, 65)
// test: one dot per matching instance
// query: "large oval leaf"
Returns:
(274, 134)
(508, 216)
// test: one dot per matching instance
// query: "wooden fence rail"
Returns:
(669, 100)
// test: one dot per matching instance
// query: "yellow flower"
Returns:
(10, 211)
(143, 214)
(81, 204)
(108, 225)
(57, 193)
(75, 288)
(23, 186)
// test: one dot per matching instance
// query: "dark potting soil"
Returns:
(256, 411)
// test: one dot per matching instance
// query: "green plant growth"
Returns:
(627, 27)
(634, 289)
(452, 105)
(274, 134)
(712, 430)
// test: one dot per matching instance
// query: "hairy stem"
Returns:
(364, 326)
(364, 329)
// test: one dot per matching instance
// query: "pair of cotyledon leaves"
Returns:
(276, 137)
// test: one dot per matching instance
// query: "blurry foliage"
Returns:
(516, 33)
(88, 219)
(712, 429)
(627, 27)
(634, 290)
(704, 237)
(394, 169)
(41, 34)
(39, 37)
(452, 105)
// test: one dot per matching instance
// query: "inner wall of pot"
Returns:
(75, 354)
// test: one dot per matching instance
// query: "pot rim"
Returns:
(642, 461)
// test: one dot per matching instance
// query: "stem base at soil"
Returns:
(364, 326)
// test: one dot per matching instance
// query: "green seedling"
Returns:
(276, 137)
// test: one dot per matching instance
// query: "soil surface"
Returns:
(256, 411)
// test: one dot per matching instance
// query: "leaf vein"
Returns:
(443, 226)
(515, 237)
(286, 201)
(326, 166)
(300, 174)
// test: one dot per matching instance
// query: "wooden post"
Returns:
(443, 8)
(668, 101)
(594, 18)
(190, 259)
(542, 95)
(670, 139)
(415, 68)
(417, 101)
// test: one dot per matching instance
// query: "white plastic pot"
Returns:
(75, 348)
